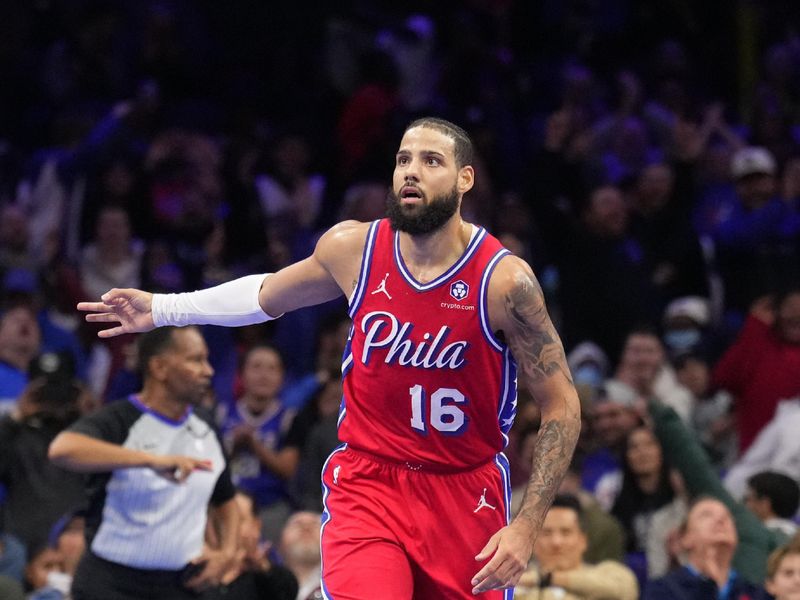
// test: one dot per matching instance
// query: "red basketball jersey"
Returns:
(425, 380)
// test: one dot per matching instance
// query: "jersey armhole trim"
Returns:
(483, 301)
(363, 275)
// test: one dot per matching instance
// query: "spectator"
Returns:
(644, 366)
(613, 416)
(253, 577)
(44, 574)
(114, 258)
(686, 325)
(15, 249)
(291, 196)
(709, 539)
(20, 342)
(364, 201)
(599, 255)
(299, 549)
(67, 540)
(755, 239)
(22, 288)
(650, 503)
(774, 499)
(604, 535)
(783, 572)
(762, 366)
(588, 364)
(12, 558)
(682, 449)
(68, 537)
(560, 571)
(49, 404)
(314, 431)
(255, 431)
(660, 225)
(776, 448)
(712, 420)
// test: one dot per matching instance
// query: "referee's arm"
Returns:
(217, 562)
(85, 454)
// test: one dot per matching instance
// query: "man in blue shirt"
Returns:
(708, 539)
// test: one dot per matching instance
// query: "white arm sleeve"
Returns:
(231, 304)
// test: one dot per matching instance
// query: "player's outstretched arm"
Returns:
(517, 310)
(244, 301)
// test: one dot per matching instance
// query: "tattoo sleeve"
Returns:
(542, 368)
(533, 340)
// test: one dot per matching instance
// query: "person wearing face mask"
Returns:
(588, 364)
(686, 323)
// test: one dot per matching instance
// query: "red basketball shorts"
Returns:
(393, 532)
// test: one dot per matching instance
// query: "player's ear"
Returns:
(466, 179)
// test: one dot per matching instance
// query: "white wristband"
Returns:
(231, 304)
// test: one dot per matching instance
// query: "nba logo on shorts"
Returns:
(459, 290)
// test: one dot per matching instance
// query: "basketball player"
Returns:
(445, 322)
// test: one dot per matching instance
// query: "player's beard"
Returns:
(422, 218)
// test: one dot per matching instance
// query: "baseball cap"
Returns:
(52, 366)
(691, 307)
(753, 160)
(618, 392)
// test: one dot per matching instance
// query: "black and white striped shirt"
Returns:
(137, 518)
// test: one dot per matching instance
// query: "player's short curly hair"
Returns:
(463, 150)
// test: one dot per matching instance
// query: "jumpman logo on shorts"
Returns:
(382, 288)
(482, 503)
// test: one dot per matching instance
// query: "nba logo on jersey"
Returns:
(459, 290)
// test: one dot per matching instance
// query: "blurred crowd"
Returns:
(644, 157)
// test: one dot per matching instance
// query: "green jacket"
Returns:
(684, 452)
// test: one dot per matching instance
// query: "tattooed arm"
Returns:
(518, 313)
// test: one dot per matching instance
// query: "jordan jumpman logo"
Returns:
(482, 503)
(382, 288)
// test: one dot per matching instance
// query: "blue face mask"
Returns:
(588, 374)
(682, 339)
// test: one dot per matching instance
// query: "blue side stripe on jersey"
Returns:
(507, 405)
(505, 472)
(468, 252)
(363, 276)
(483, 300)
(326, 517)
(501, 461)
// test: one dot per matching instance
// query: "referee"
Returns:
(156, 467)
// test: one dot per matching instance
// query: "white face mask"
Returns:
(59, 581)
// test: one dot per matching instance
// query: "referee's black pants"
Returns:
(100, 579)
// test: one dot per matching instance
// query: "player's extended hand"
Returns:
(131, 308)
(512, 547)
(176, 468)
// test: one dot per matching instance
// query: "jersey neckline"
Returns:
(134, 399)
(478, 233)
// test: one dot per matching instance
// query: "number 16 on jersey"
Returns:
(444, 415)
